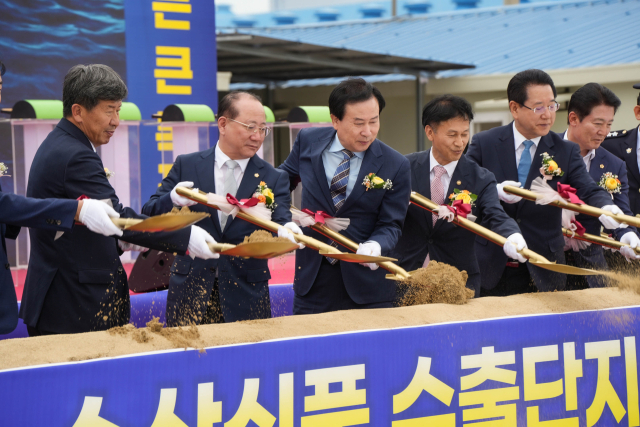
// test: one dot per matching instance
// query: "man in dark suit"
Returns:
(227, 289)
(624, 144)
(514, 153)
(49, 214)
(437, 173)
(76, 282)
(332, 165)
(590, 116)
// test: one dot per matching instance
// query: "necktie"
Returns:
(340, 180)
(339, 188)
(437, 189)
(230, 186)
(525, 163)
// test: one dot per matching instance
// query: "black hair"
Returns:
(3, 69)
(446, 107)
(226, 107)
(352, 91)
(87, 85)
(518, 85)
(590, 96)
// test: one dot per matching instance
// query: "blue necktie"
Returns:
(340, 180)
(525, 162)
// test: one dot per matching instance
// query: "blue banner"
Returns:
(574, 369)
(171, 59)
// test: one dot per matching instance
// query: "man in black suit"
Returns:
(76, 282)
(624, 144)
(590, 116)
(50, 214)
(514, 153)
(228, 289)
(438, 173)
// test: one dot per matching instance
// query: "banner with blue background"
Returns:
(574, 369)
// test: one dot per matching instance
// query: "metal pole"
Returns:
(394, 8)
(419, 101)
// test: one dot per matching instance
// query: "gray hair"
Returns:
(87, 85)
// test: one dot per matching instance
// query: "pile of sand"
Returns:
(260, 236)
(188, 337)
(438, 283)
(65, 348)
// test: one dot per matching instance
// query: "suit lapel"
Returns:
(546, 145)
(421, 177)
(506, 153)
(206, 181)
(631, 158)
(371, 163)
(595, 171)
(318, 169)
(250, 180)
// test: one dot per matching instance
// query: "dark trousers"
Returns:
(328, 293)
(214, 309)
(35, 332)
(514, 280)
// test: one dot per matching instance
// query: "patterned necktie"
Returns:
(340, 180)
(339, 188)
(437, 189)
(525, 162)
(230, 187)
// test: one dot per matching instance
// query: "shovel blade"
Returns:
(566, 269)
(349, 257)
(167, 222)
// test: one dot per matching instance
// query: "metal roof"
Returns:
(550, 35)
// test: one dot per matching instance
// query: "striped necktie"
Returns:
(339, 188)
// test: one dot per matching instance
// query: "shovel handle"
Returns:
(220, 247)
(599, 240)
(583, 209)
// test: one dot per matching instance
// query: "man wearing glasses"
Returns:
(514, 154)
(225, 289)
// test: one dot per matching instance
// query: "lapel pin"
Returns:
(601, 166)
(459, 182)
(257, 175)
(628, 150)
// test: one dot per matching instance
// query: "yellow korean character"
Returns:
(323, 399)
(250, 409)
(424, 381)
(488, 363)
(90, 414)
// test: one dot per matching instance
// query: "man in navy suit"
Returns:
(76, 282)
(590, 116)
(624, 144)
(514, 154)
(49, 214)
(331, 164)
(227, 289)
(437, 173)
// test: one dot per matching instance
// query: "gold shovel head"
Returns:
(348, 257)
(261, 250)
(566, 269)
(167, 222)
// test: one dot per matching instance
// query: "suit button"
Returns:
(518, 220)
(212, 269)
(120, 269)
(7, 266)
(58, 222)
(430, 241)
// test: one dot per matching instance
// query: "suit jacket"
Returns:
(243, 283)
(541, 225)
(17, 211)
(445, 241)
(76, 283)
(375, 214)
(624, 145)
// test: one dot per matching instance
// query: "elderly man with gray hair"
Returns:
(76, 283)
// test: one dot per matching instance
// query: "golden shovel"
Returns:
(583, 209)
(310, 242)
(534, 258)
(259, 250)
(158, 223)
(599, 240)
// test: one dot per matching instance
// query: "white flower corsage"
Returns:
(109, 173)
(549, 167)
(611, 183)
(265, 195)
(373, 181)
(3, 170)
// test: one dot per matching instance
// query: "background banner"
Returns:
(575, 369)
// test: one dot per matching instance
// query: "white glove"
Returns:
(371, 248)
(177, 199)
(506, 197)
(608, 222)
(288, 230)
(515, 243)
(198, 244)
(633, 241)
(126, 246)
(96, 215)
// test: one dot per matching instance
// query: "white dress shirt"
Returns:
(590, 155)
(446, 177)
(220, 170)
(519, 140)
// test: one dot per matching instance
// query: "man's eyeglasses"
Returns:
(254, 128)
(539, 110)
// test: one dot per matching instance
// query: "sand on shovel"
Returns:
(438, 283)
(261, 236)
